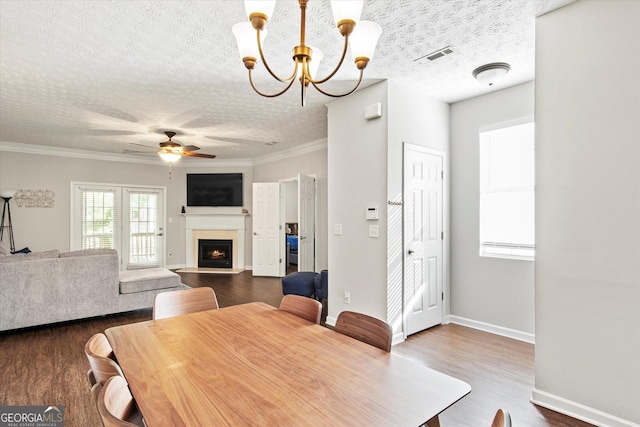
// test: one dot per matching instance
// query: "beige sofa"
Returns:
(48, 287)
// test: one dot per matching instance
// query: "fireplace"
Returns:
(215, 253)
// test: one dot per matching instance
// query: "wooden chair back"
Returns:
(177, 303)
(502, 419)
(365, 328)
(306, 308)
(115, 403)
(99, 354)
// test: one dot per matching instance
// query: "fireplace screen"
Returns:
(215, 253)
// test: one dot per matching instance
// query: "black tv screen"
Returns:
(214, 189)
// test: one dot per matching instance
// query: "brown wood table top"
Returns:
(253, 364)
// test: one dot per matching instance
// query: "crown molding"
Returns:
(76, 153)
(309, 147)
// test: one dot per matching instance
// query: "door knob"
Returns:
(255, 234)
(410, 252)
(160, 234)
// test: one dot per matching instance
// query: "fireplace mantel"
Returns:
(223, 223)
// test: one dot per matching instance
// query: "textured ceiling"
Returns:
(105, 75)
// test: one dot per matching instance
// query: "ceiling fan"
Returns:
(171, 151)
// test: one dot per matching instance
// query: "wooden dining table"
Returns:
(253, 364)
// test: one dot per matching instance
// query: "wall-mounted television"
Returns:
(214, 189)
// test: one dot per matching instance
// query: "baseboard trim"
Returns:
(174, 266)
(494, 329)
(577, 410)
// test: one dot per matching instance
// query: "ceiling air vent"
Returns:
(435, 55)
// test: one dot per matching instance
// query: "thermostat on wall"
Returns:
(372, 213)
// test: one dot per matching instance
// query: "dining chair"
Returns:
(365, 328)
(304, 307)
(100, 356)
(502, 419)
(116, 405)
(176, 303)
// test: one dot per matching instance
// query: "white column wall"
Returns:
(588, 211)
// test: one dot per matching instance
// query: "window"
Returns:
(126, 218)
(507, 193)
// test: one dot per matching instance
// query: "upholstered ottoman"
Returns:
(299, 283)
(147, 279)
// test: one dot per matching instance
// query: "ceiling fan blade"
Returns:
(233, 140)
(142, 145)
(205, 156)
(138, 152)
(190, 148)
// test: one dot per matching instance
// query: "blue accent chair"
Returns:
(306, 284)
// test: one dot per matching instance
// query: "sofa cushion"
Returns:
(12, 258)
(147, 279)
(88, 252)
(30, 256)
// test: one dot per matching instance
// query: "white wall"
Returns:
(357, 178)
(498, 292)
(290, 190)
(365, 169)
(48, 228)
(313, 163)
(588, 211)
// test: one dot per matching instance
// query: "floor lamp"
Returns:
(6, 213)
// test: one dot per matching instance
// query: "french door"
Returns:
(129, 219)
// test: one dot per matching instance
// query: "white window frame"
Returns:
(500, 249)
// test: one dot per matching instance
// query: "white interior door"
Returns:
(266, 229)
(423, 238)
(306, 222)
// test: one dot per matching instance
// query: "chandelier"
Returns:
(361, 36)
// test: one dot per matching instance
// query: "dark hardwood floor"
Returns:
(47, 365)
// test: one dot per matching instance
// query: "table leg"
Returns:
(433, 422)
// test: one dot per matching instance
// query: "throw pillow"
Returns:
(22, 251)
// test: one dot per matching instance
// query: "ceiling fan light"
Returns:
(246, 40)
(489, 74)
(346, 10)
(169, 157)
(264, 7)
(364, 39)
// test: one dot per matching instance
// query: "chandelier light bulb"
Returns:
(364, 39)
(264, 7)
